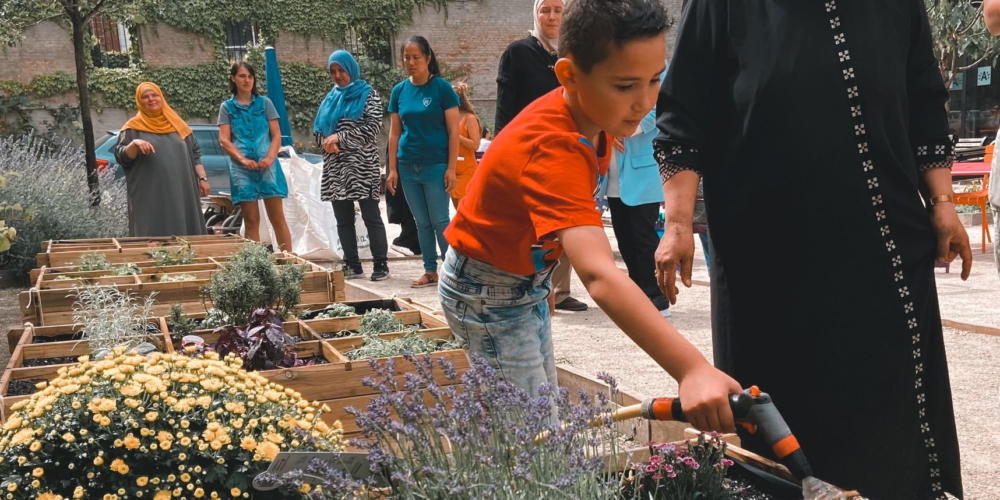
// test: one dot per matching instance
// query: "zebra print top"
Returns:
(355, 173)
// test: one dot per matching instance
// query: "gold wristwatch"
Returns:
(934, 200)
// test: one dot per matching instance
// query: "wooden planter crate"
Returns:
(55, 253)
(145, 267)
(27, 349)
(50, 301)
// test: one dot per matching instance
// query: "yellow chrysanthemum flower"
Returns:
(131, 442)
(38, 472)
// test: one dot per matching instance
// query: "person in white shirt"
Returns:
(485, 141)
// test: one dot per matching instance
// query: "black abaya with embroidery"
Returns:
(810, 122)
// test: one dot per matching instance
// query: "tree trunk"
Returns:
(79, 28)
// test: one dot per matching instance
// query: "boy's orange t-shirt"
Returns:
(537, 177)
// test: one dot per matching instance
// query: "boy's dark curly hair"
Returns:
(590, 28)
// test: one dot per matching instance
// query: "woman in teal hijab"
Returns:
(347, 126)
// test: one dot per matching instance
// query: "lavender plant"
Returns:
(479, 442)
(50, 181)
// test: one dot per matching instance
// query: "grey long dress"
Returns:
(163, 197)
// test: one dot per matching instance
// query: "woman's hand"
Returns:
(450, 179)
(265, 163)
(392, 181)
(143, 146)
(332, 144)
(204, 187)
(619, 144)
(952, 240)
(676, 248)
(249, 164)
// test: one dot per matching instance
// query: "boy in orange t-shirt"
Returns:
(533, 197)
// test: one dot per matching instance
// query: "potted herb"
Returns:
(112, 318)
(251, 280)
(93, 261)
(166, 257)
(261, 345)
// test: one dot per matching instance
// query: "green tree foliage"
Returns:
(961, 40)
(18, 15)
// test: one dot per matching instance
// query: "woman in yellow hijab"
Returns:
(163, 169)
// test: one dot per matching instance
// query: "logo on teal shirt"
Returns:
(427, 101)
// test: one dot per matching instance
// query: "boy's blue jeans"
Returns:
(501, 316)
(423, 186)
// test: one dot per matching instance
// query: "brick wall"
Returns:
(474, 33)
(471, 37)
(164, 46)
(47, 48)
(292, 47)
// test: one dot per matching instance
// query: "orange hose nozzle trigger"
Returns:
(754, 391)
(751, 428)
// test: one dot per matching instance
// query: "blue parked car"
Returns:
(215, 160)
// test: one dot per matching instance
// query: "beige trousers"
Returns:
(561, 279)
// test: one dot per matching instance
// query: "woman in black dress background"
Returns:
(828, 118)
(526, 67)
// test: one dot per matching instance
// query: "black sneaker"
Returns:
(662, 305)
(353, 273)
(381, 272)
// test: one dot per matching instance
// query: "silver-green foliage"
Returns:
(167, 257)
(379, 321)
(178, 277)
(52, 183)
(126, 269)
(251, 280)
(214, 319)
(93, 261)
(111, 317)
(335, 311)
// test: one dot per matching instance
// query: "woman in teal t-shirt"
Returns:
(423, 149)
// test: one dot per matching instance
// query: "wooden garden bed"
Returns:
(51, 348)
(145, 267)
(50, 301)
(57, 253)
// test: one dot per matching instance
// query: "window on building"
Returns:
(113, 43)
(238, 35)
(375, 44)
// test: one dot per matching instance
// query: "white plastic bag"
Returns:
(310, 220)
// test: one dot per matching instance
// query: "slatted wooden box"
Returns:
(50, 301)
(58, 253)
(52, 343)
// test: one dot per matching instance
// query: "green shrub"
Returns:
(51, 184)
(251, 280)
